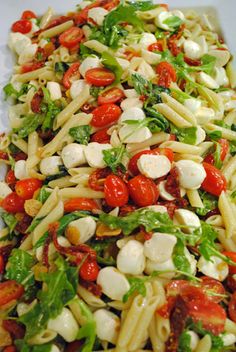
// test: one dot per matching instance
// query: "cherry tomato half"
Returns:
(101, 136)
(105, 114)
(71, 37)
(158, 46)
(100, 77)
(232, 256)
(232, 307)
(22, 26)
(214, 182)
(116, 192)
(212, 288)
(71, 74)
(10, 290)
(89, 270)
(97, 178)
(143, 191)
(26, 188)
(224, 149)
(31, 66)
(166, 74)
(112, 95)
(13, 203)
(80, 204)
(10, 178)
(27, 15)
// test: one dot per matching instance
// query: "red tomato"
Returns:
(80, 204)
(101, 136)
(112, 95)
(26, 188)
(27, 15)
(232, 256)
(36, 101)
(143, 191)
(9, 291)
(232, 307)
(89, 270)
(211, 287)
(2, 265)
(10, 178)
(13, 203)
(185, 289)
(3, 155)
(71, 74)
(214, 182)
(58, 20)
(22, 26)
(71, 37)
(192, 62)
(164, 311)
(97, 178)
(210, 314)
(32, 66)
(16, 330)
(116, 192)
(166, 74)
(166, 152)
(158, 46)
(105, 114)
(224, 149)
(10, 349)
(100, 77)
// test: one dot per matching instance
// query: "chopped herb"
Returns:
(214, 135)
(179, 257)
(173, 22)
(184, 342)
(81, 134)
(9, 90)
(95, 91)
(61, 67)
(9, 220)
(113, 158)
(30, 124)
(186, 135)
(43, 195)
(62, 172)
(209, 201)
(84, 51)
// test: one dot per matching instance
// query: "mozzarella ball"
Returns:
(107, 325)
(50, 165)
(191, 174)
(113, 283)
(28, 54)
(167, 196)
(18, 42)
(161, 18)
(192, 104)
(216, 268)
(194, 339)
(187, 218)
(133, 113)
(203, 43)
(167, 266)
(228, 339)
(150, 57)
(20, 170)
(130, 259)
(147, 39)
(160, 247)
(97, 14)
(130, 134)
(123, 63)
(146, 70)
(192, 49)
(220, 76)
(154, 166)
(131, 93)
(65, 325)
(206, 80)
(81, 230)
(77, 88)
(200, 135)
(94, 154)
(54, 90)
(73, 155)
(131, 103)
(4, 190)
(88, 63)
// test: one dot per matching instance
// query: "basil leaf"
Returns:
(215, 135)
(43, 195)
(9, 90)
(184, 342)
(186, 135)
(173, 22)
(112, 64)
(29, 125)
(61, 67)
(9, 220)
(137, 285)
(84, 51)
(179, 258)
(81, 134)
(95, 91)
(209, 201)
(113, 158)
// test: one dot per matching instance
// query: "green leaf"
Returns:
(22, 346)
(9, 220)
(34, 224)
(173, 22)
(9, 90)
(232, 146)
(110, 62)
(186, 135)
(95, 91)
(113, 158)
(61, 67)
(142, 5)
(214, 135)
(209, 201)
(62, 172)
(43, 195)
(217, 156)
(141, 85)
(179, 258)
(81, 134)
(20, 268)
(184, 342)
(29, 125)
(137, 285)
(84, 51)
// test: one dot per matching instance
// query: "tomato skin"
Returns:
(158, 46)
(166, 152)
(105, 114)
(25, 188)
(100, 77)
(209, 284)
(32, 66)
(2, 265)
(232, 307)
(232, 256)
(27, 15)
(9, 291)
(22, 26)
(192, 62)
(214, 182)
(89, 270)
(112, 95)
(10, 178)
(96, 179)
(71, 37)
(13, 203)
(143, 191)
(101, 136)
(10, 349)
(72, 72)
(116, 192)
(166, 74)
(224, 145)
(80, 204)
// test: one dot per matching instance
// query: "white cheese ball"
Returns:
(130, 134)
(228, 339)
(97, 14)
(107, 325)
(65, 325)
(133, 113)
(160, 247)
(54, 90)
(88, 63)
(4, 190)
(77, 88)
(191, 174)
(187, 218)
(20, 170)
(206, 80)
(131, 259)
(28, 54)
(154, 166)
(50, 165)
(94, 154)
(130, 103)
(216, 268)
(167, 266)
(194, 339)
(84, 228)
(147, 39)
(73, 155)
(18, 42)
(113, 283)
(192, 49)
(146, 70)
(161, 18)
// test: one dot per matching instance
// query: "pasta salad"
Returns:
(119, 199)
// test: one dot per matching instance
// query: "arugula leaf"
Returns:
(111, 63)
(179, 258)
(84, 51)
(9, 90)
(214, 135)
(61, 67)
(95, 91)
(29, 125)
(61, 287)
(233, 196)
(210, 202)
(20, 268)
(208, 63)
(184, 342)
(9, 220)
(186, 135)
(232, 146)
(22, 346)
(173, 22)
(217, 156)
(81, 134)
(142, 5)
(136, 285)
(43, 195)
(158, 119)
(50, 108)
(113, 158)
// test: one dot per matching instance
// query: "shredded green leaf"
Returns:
(110, 62)
(81, 134)
(113, 158)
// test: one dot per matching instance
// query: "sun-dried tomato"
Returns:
(24, 223)
(172, 185)
(16, 330)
